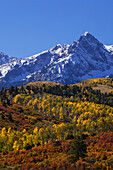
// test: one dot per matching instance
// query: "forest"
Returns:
(46, 125)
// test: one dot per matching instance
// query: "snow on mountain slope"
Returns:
(4, 58)
(109, 48)
(86, 58)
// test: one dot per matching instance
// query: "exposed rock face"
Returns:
(69, 64)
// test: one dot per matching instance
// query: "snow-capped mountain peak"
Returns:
(4, 58)
(85, 34)
(87, 37)
(85, 58)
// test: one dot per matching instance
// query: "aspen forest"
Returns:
(46, 125)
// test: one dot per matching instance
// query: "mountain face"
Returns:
(67, 64)
(4, 58)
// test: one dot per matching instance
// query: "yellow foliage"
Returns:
(15, 146)
(35, 130)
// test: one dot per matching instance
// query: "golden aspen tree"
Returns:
(42, 134)
(16, 146)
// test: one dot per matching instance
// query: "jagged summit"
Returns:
(83, 59)
(88, 37)
(3, 55)
(86, 33)
(4, 58)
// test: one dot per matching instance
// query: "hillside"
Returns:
(105, 85)
(46, 103)
(54, 155)
(93, 82)
(43, 123)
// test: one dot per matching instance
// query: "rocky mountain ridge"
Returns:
(67, 64)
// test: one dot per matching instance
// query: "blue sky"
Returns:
(28, 27)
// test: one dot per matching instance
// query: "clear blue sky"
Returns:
(28, 27)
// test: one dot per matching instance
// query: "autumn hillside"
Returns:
(44, 115)
(105, 85)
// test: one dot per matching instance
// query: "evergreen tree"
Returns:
(10, 117)
(8, 102)
(77, 149)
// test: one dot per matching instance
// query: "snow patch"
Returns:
(109, 48)
(85, 34)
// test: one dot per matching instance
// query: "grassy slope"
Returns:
(105, 85)
(103, 88)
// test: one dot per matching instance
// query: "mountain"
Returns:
(4, 58)
(68, 64)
